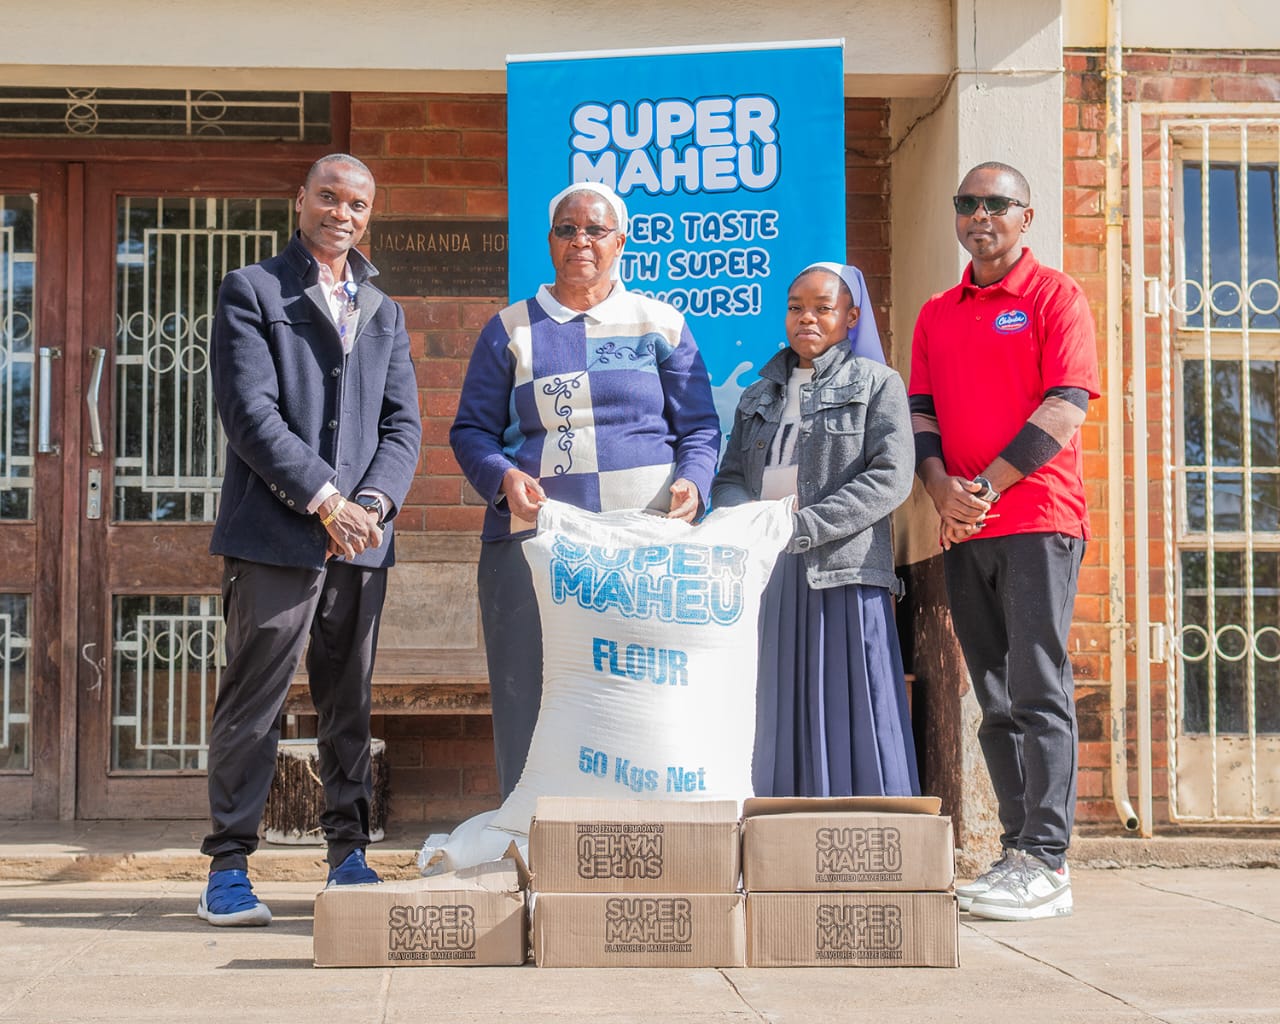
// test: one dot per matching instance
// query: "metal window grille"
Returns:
(168, 654)
(207, 114)
(17, 353)
(15, 684)
(171, 256)
(1217, 301)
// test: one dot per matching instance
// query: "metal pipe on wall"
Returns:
(1115, 420)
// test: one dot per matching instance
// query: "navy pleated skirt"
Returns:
(831, 703)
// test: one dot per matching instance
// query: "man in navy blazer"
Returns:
(318, 398)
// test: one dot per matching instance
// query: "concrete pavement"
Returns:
(1178, 945)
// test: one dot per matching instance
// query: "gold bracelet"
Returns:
(342, 503)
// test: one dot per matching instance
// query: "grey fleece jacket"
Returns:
(855, 456)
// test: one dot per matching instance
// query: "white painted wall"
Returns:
(432, 44)
(1005, 104)
(1010, 102)
(1177, 24)
(894, 48)
(926, 258)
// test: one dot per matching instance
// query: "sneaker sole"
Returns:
(1059, 906)
(965, 899)
(254, 917)
(967, 893)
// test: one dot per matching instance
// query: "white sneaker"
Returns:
(965, 894)
(1027, 891)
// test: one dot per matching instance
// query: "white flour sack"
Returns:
(648, 653)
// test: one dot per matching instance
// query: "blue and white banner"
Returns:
(731, 162)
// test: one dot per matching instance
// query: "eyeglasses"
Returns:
(594, 232)
(997, 206)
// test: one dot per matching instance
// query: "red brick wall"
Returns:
(445, 155)
(866, 131)
(437, 156)
(442, 768)
(1149, 77)
(1083, 242)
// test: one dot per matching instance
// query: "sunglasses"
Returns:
(997, 206)
(595, 232)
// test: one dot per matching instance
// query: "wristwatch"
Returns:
(988, 493)
(373, 504)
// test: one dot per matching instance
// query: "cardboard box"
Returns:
(639, 930)
(846, 844)
(471, 917)
(852, 929)
(633, 846)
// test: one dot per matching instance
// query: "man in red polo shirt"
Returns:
(1002, 369)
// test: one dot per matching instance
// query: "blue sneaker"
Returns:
(352, 871)
(228, 901)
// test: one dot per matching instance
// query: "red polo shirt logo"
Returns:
(1011, 321)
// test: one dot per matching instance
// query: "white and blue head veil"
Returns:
(864, 339)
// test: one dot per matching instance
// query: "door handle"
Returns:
(99, 357)
(45, 444)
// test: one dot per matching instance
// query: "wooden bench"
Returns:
(407, 683)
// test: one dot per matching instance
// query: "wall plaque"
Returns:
(440, 257)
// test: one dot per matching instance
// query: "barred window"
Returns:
(205, 114)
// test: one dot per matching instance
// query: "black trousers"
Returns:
(1011, 604)
(270, 612)
(513, 646)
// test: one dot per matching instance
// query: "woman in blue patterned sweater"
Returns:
(588, 394)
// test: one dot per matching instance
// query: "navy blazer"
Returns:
(299, 414)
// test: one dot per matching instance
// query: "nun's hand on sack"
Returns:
(684, 500)
(523, 493)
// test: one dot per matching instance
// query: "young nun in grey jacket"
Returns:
(828, 422)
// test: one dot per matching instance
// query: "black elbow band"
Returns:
(928, 446)
(1078, 397)
(921, 405)
(1030, 449)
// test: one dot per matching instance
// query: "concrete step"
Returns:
(134, 851)
(137, 851)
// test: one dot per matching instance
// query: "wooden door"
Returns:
(37, 628)
(158, 239)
